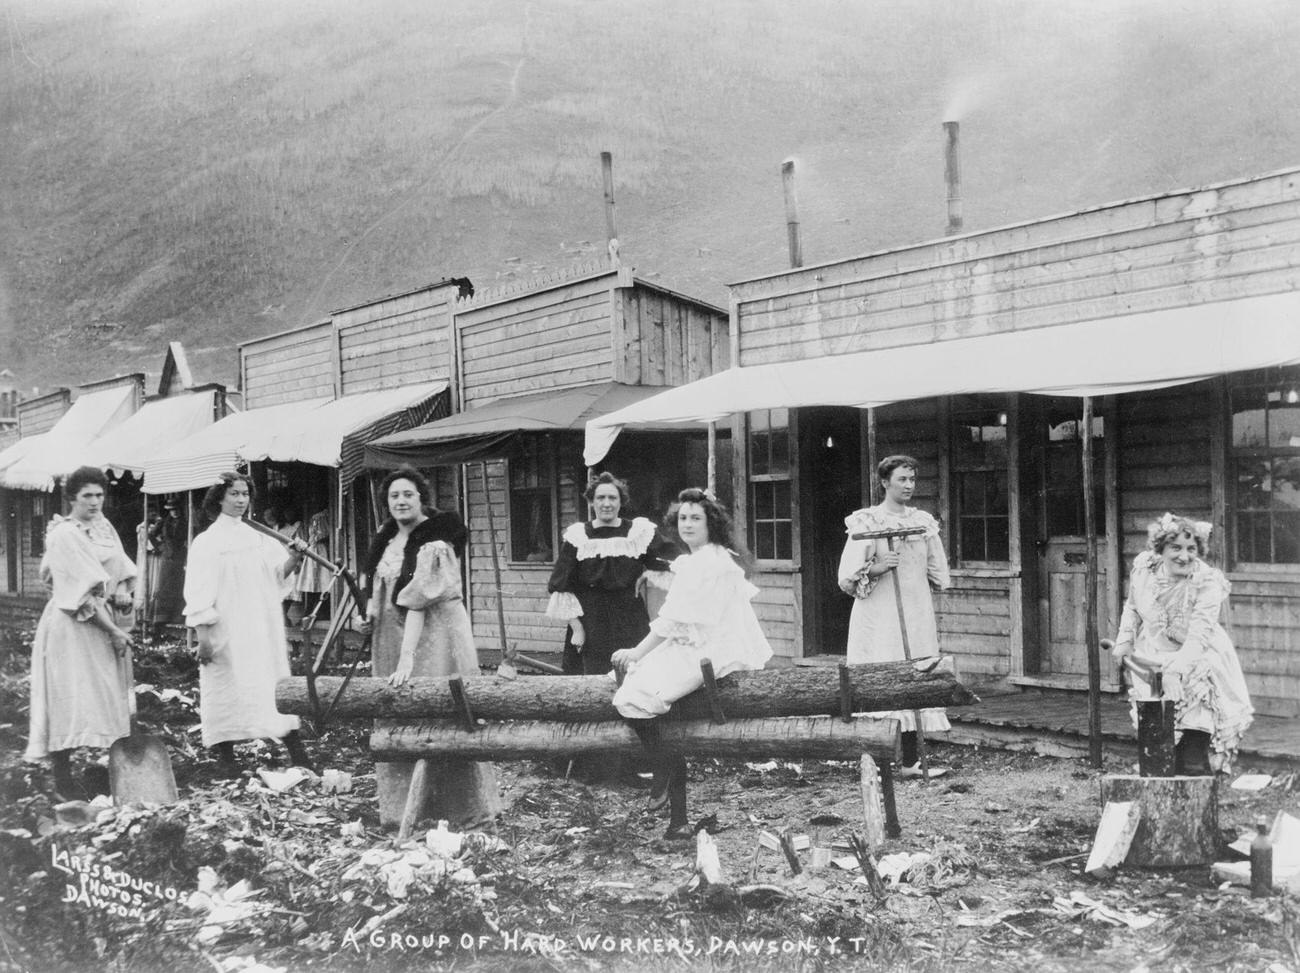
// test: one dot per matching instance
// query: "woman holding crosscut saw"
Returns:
(1171, 626)
(892, 558)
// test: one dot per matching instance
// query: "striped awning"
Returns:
(323, 432)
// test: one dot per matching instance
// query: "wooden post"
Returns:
(791, 214)
(892, 828)
(1090, 637)
(456, 686)
(711, 472)
(846, 694)
(873, 804)
(507, 657)
(872, 495)
(1155, 733)
(711, 690)
(607, 176)
(415, 798)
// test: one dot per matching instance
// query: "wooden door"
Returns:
(830, 465)
(1062, 546)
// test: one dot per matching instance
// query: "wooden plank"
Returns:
(517, 323)
(533, 301)
(1119, 822)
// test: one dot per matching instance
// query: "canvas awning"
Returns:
(1100, 357)
(67, 445)
(154, 428)
(12, 453)
(322, 431)
(488, 431)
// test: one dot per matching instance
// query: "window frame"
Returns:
(1257, 380)
(787, 476)
(545, 445)
(1002, 404)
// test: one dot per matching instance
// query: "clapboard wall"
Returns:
(400, 340)
(1239, 239)
(588, 325)
(292, 366)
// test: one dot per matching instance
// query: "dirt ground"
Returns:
(241, 876)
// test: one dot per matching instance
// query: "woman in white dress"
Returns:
(81, 665)
(232, 601)
(707, 615)
(1171, 624)
(869, 571)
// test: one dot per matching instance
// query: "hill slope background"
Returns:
(213, 170)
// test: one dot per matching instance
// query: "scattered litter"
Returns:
(1285, 835)
(1251, 782)
(353, 829)
(336, 782)
(283, 780)
(770, 841)
(1081, 905)
(443, 843)
(894, 867)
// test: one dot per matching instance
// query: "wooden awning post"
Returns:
(1090, 637)
(712, 472)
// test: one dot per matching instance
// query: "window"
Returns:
(532, 500)
(1264, 466)
(979, 474)
(1063, 470)
(770, 506)
(40, 511)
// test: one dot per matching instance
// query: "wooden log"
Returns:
(1155, 733)
(873, 804)
(1179, 822)
(808, 737)
(797, 691)
(892, 828)
(1119, 821)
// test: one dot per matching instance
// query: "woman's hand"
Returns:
(623, 659)
(204, 650)
(1118, 650)
(884, 562)
(578, 634)
(120, 641)
(402, 672)
(365, 626)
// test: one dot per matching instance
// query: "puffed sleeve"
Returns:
(936, 560)
(659, 555)
(1203, 618)
(74, 573)
(1130, 620)
(704, 584)
(436, 578)
(563, 603)
(201, 582)
(856, 558)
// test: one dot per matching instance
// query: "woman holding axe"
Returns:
(892, 559)
(1171, 626)
(232, 601)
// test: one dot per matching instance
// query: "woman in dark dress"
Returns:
(595, 584)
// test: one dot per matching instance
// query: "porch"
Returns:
(1056, 725)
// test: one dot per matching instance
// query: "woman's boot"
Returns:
(61, 762)
(1192, 754)
(228, 766)
(679, 827)
(652, 742)
(297, 752)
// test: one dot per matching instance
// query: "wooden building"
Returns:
(952, 334)
(532, 364)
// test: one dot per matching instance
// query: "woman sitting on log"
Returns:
(1171, 625)
(81, 663)
(420, 627)
(707, 615)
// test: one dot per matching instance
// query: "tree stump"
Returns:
(1179, 823)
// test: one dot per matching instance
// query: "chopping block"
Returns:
(1179, 818)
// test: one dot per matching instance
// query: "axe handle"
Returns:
(868, 535)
